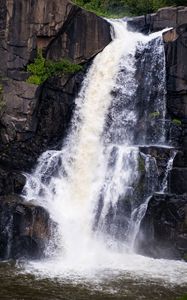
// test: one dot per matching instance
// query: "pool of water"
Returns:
(25, 280)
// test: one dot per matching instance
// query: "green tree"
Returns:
(42, 69)
(126, 7)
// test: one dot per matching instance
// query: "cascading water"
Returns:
(90, 187)
(168, 169)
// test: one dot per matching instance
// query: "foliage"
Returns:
(42, 69)
(105, 8)
(176, 122)
(112, 8)
(141, 164)
(154, 114)
(183, 298)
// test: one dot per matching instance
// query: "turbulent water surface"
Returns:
(19, 285)
(90, 186)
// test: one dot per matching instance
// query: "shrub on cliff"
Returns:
(112, 8)
(42, 69)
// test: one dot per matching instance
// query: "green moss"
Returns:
(184, 297)
(141, 164)
(42, 69)
(185, 256)
(154, 114)
(176, 122)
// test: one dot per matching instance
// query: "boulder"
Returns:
(163, 230)
(25, 228)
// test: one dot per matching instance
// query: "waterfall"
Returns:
(90, 186)
(168, 169)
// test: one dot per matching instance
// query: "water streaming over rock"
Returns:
(97, 187)
(168, 169)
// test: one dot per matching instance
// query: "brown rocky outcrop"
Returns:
(176, 79)
(163, 18)
(33, 118)
(163, 231)
(25, 228)
(27, 25)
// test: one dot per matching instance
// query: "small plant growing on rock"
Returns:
(42, 69)
(141, 164)
(176, 122)
(154, 114)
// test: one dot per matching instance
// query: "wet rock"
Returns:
(11, 181)
(25, 228)
(177, 181)
(180, 160)
(162, 156)
(176, 80)
(163, 18)
(163, 231)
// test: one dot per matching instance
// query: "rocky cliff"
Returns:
(164, 228)
(32, 118)
(61, 29)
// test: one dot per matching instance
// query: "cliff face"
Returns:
(61, 29)
(33, 119)
(164, 228)
(165, 17)
(26, 25)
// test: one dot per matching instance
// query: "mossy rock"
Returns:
(177, 122)
(141, 164)
(185, 256)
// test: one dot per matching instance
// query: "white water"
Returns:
(168, 169)
(97, 162)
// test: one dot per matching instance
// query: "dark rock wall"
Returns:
(165, 17)
(25, 228)
(34, 119)
(163, 230)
